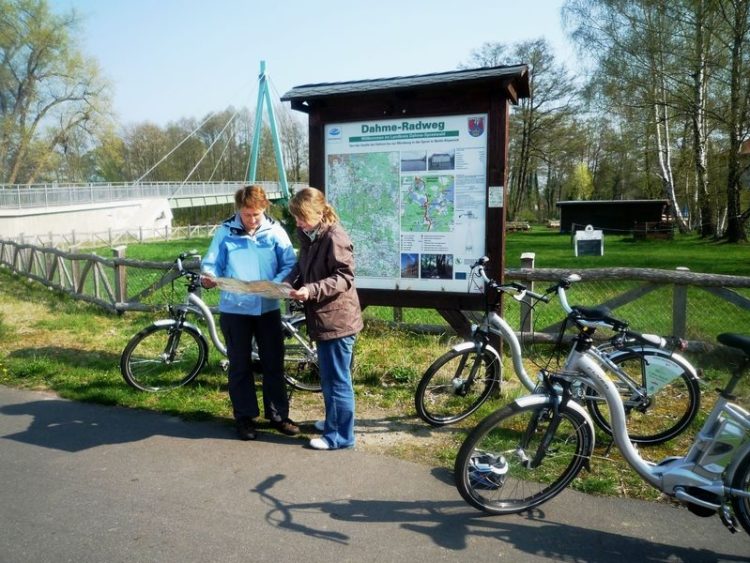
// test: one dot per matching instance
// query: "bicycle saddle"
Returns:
(598, 314)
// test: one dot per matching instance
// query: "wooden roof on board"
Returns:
(515, 80)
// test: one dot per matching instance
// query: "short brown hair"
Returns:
(252, 196)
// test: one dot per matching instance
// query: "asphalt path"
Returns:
(92, 483)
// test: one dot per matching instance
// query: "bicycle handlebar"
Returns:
(518, 290)
(597, 317)
(181, 268)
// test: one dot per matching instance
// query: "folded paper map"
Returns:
(268, 289)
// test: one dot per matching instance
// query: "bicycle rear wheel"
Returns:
(163, 357)
(448, 392)
(301, 369)
(671, 403)
(521, 456)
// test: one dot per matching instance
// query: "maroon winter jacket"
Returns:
(326, 267)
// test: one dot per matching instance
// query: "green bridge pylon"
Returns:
(265, 96)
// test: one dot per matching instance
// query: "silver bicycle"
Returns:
(659, 388)
(169, 353)
(528, 451)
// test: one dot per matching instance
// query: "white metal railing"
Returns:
(22, 196)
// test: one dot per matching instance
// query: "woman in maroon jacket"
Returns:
(323, 279)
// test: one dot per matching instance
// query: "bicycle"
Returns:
(169, 353)
(528, 451)
(660, 388)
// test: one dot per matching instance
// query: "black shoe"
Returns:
(246, 429)
(286, 427)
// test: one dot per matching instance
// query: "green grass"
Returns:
(555, 250)
(52, 342)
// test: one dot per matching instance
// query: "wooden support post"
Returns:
(121, 276)
(527, 321)
(679, 307)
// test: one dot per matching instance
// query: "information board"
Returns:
(412, 194)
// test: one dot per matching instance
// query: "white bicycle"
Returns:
(659, 387)
(169, 353)
(528, 451)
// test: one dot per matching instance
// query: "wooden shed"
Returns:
(612, 216)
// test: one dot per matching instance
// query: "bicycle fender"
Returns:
(172, 322)
(679, 359)
(682, 360)
(738, 457)
(540, 399)
(468, 345)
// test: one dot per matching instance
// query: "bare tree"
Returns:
(549, 107)
(293, 144)
(45, 82)
(736, 15)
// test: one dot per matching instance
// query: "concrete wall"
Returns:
(91, 218)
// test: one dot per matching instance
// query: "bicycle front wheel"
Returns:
(668, 401)
(163, 357)
(456, 385)
(521, 456)
(301, 369)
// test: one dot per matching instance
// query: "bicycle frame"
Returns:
(194, 304)
(493, 323)
(673, 476)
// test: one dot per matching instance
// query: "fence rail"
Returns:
(77, 240)
(692, 305)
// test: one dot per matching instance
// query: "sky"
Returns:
(169, 59)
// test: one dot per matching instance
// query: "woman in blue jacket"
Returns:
(252, 246)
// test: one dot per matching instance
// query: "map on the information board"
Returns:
(427, 203)
(364, 189)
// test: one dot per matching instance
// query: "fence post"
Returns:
(679, 306)
(121, 276)
(527, 322)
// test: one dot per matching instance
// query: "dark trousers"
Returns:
(238, 333)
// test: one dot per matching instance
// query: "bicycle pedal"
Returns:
(728, 519)
(224, 364)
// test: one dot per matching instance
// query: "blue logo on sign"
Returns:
(334, 132)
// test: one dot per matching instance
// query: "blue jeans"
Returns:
(335, 357)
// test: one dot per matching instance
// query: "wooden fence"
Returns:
(76, 240)
(119, 284)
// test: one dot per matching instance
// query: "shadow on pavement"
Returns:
(72, 427)
(450, 526)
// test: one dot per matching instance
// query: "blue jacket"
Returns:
(233, 253)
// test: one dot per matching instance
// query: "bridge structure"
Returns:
(53, 211)
(48, 208)
(178, 194)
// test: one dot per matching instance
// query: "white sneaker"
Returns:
(319, 444)
(320, 425)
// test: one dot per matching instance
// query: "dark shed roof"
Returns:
(515, 76)
(610, 215)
